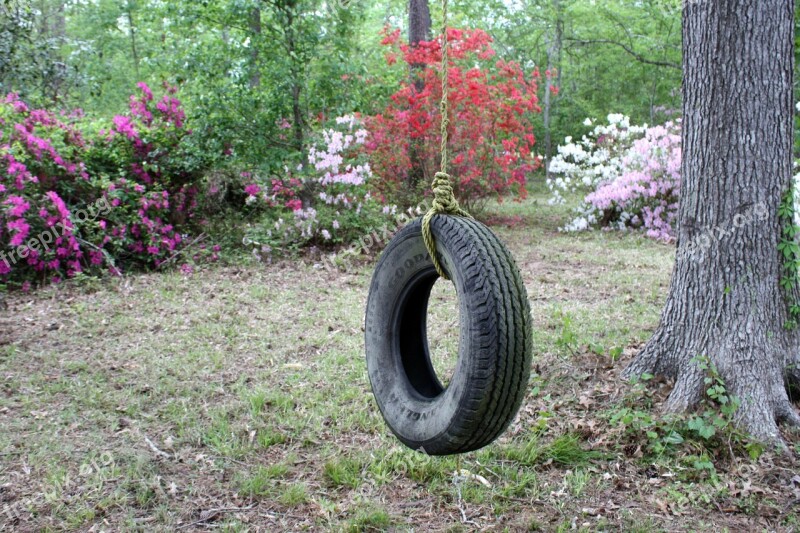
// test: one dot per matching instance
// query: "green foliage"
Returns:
(565, 450)
(242, 78)
(712, 427)
(345, 472)
(568, 337)
(616, 56)
(790, 251)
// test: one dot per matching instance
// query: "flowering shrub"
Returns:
(150, 177)
(635, 173)
(597, 157)
(75, 199)
(491, 135)
(328, 201)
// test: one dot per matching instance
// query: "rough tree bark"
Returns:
(419, 29)
(725, 302)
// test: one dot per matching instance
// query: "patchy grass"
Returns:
(238, 399)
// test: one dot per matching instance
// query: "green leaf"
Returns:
(674, 438)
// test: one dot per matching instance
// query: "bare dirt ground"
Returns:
(237, 399)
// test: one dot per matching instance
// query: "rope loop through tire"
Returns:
(444, 203)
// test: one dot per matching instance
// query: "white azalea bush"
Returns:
(631, 175)
(580, 166)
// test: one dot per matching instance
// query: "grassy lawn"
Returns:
(237, 399)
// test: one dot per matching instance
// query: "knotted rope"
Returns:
(444, 201)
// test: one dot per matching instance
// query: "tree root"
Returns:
(688, 390)
(787, 414)
(764, 403)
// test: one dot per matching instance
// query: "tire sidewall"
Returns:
(417, 421)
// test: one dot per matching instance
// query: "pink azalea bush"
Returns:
(642, 189)
(76, 198)
(326, 201)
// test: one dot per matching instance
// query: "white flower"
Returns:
(587, 122)
(615, 118)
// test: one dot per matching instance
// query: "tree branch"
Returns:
(639, 57)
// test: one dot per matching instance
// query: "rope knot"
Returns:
(444, 203)
(444, 200)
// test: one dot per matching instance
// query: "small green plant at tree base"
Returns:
(719, 415)
(712, 426)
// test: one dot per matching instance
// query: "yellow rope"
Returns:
(444, 201)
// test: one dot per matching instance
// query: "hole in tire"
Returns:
(442, 328)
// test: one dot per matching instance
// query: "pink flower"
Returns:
(61, 207)
(187, 269)
(294, 204)
(252, 189)
(148, 94)
(19, 106)
(20, 206)
(21, 229)
(123, 125)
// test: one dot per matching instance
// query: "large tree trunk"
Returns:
(725, 302)
(419, 29)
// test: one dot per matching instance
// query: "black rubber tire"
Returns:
(495, 344)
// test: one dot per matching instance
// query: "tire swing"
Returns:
(495, 343)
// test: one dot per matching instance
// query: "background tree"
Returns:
(419, 30)
(725, 301)
(554, 43)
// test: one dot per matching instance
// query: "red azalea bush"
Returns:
(76, 199)
(491, 132)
